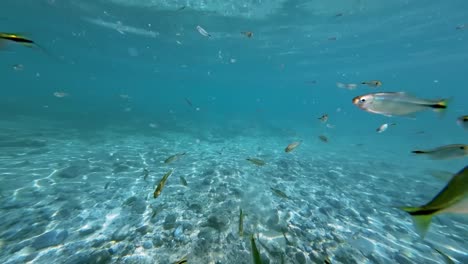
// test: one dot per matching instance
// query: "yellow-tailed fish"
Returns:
(20, 40)
(396, 103)
(241, 223)
(463, 121)
(445, 152)
(183, 181)
(256, 161)
(161, 184)
(292, 146)
(173, 158)
(255, 253)
(278, 193)
(453, 198)
(373, 83)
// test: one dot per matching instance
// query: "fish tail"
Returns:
(421, 219)
(441, 106)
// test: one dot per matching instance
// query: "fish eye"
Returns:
(362, 100)
(462, 147)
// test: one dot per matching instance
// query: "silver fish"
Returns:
(203, 31)
(396, 103)
(445, 152)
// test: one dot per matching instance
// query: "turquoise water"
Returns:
(118, 86)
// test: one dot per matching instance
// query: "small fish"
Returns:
(189, 102)
(326, 260)
(460, 27)
(60, 94)
(396, 104)
(183, 181)
(256, 161)
(323, 118)
(279, 193)
(383, 127)
(106, 186)
(292, 146)
(373, 83)
(181, 8)
(323, 138)
(349, 86)
(161, 184)
(446, 257)
(463, 121)
(174, 158)
(182, 260)
(203, 32)
(18, 67)
(445, 152)
(247, 34)
(241, 223)
(145, 174)
(453, 198)
(255, 253)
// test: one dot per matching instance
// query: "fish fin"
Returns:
(441, 106)
(421, 221)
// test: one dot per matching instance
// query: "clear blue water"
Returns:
(72, 184)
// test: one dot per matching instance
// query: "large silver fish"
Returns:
(396, 103)
(445, 152)
(452, 199)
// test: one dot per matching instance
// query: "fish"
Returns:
(247, 34)
(145, 174)
(183, 181)
(327, 260)
(241, 223)
(161, 184)
(445, 152)
(189, 102)
(292, 146)
(106, 186)
(255, 253)
(349, 86)
(256, 161)
(373, 83)
(384, 127)
(453, 198)
(397, 103)
(121, 28)
(463, 121)
(173, 158)
(18, 67)
(203, 32)
(279, 193)
(323, 118)
(323, 138)
(13, 37)
(60, 94)
(182, 260)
